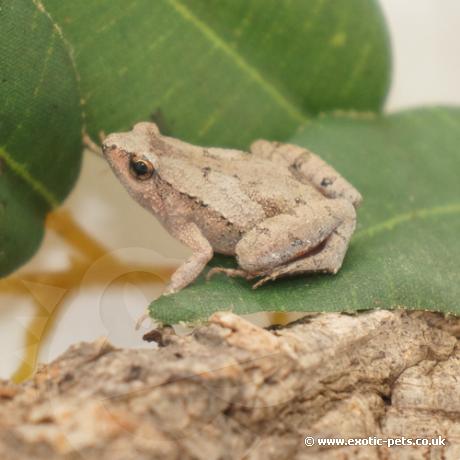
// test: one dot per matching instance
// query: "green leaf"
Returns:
(40, 126)
(224, 71)
(406, 250)
(221, 72)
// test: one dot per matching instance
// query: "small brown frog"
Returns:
(280, 210)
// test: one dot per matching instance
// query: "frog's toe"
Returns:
(233, 272)
(265, 280)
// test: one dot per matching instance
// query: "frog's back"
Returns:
(242, 188)
(269, 184)
(218, 192)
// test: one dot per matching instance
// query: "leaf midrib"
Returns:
(187, 15)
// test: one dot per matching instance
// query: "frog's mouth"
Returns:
(113, 154)
(117, 159)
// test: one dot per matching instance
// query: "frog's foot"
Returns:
(309, 167)
(232, 272)
(266, 279)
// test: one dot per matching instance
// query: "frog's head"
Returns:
(132, 158)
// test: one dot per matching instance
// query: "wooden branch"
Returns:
(232, 390)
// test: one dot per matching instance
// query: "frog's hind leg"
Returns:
(280, 245)
(308, 167)
(327, 258)
(285, 238)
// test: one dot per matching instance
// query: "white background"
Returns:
(426, 51)
(426, 64)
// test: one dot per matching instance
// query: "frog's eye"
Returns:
(140, 168)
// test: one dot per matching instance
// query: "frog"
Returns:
(278, 209)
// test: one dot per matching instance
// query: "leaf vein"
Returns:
(25, 175)
(358, 68)
(423, 213)
(70, 53)
(219, 43)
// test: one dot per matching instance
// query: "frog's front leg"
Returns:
(307, 166)
(189, 234)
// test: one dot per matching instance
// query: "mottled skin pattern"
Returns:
(280, 210)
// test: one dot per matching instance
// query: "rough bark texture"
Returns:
(232, 390)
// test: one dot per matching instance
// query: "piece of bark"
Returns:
(231, 390)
